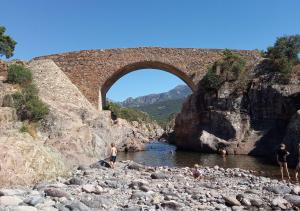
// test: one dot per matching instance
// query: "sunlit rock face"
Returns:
(74, 127)
(73, 133)
(249, 121)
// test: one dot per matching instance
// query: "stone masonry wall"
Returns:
(95, 71)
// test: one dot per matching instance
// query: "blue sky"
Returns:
(47, 27)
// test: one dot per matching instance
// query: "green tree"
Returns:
(284, 55)
(7, 44)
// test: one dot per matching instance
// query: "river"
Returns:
(162, 154)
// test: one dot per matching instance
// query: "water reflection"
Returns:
(161, 154)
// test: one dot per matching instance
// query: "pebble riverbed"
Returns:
(131, 186)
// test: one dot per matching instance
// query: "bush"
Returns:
(284, 55)
(211, 81)
(28, 105)
(229, 68)
(232, 63)
(18, 74)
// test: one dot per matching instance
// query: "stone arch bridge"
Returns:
(95, 71)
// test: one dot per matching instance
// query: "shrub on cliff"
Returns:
(232, 63)
(18, 74)
(284, 55)
(28, 105)
(211, 81)
(229, 68)
(7, 44)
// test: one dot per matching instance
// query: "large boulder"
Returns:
(24, 161)
(210, 142)
(251, 115)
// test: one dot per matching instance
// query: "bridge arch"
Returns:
(93, 72)
(138, 66)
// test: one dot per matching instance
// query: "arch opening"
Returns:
(139, 66)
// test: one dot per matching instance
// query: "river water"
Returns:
(162, 154)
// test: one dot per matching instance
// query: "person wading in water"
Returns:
(113, 155)
(298, 165)
(196, 173)
(281, 156)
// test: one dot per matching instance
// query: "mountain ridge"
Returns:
(179, 92)
(161, 107)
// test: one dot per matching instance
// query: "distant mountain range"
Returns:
(160, 107)
(179, 92)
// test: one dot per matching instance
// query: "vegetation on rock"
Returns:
(28, 105)
(27, 102)
(229, 68)
(211, 81)
(284, 55)
(18, 74)
(7, 44)
(129, 114)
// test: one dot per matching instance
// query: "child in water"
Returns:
(196, 173)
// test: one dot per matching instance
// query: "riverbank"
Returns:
(132, 186)
(163, 154)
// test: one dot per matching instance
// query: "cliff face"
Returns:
(253, 120)
(73, 133)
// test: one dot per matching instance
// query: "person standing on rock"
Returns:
(298, 164)
(113, 155)
(281, 156)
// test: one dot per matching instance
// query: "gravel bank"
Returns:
(132, 186)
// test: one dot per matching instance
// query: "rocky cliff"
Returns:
(73, 133)
(252, 119)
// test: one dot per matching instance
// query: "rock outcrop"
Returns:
(74, 126)
(73, 133)
(252, 120)
(23, 159)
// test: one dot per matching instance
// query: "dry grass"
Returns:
(30, 128)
